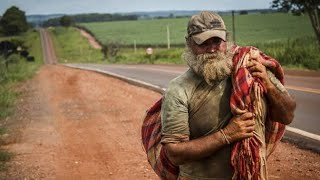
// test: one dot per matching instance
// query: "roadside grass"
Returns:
(71, 47)
(18, 70)
(301, 53)
(159, 56)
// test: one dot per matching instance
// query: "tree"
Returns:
(66, 21)
(297, 7)
(13, 21)
(243, 12)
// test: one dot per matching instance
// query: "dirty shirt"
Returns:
(193, 109)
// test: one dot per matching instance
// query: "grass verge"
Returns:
(300, 53)
(17, 71)
(71, 47)
(297, 53)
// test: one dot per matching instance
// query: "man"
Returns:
(198, 127)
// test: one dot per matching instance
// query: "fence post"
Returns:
(135, 46)
(168, 36)
(233, 29)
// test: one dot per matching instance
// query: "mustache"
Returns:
(211, 57)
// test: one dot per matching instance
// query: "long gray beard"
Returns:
(213, 67)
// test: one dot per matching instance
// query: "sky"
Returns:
(123, 6)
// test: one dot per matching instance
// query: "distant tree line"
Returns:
(93, 17)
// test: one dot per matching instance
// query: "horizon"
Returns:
(144, 12)
(72, 7)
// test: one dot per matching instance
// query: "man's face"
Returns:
(211, 45)
(212, 60)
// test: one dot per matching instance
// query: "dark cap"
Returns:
(206, 25)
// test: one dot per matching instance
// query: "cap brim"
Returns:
(202, 37)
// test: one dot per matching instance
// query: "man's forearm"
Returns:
(239, 127)
(180, 153)
(283, 105)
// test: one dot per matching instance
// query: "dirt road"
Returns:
(91, 40)
(76, 124)
(80, 125)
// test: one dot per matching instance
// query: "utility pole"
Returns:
(233, 29)
(168, 36)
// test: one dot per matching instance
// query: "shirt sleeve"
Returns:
(174, 117)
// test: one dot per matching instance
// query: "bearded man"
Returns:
(199, 128)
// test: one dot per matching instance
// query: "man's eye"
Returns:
(216, 41)
(204, 44)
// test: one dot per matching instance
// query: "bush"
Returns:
(159, 56)
(302, 52)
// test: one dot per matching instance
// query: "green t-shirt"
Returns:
(193, 109)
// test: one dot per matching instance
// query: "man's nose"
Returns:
(212, 48)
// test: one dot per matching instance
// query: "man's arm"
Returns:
(283, 105)
(239, 127)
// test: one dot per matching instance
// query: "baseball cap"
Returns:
(206, 25)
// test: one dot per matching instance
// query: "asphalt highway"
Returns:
(306, 90)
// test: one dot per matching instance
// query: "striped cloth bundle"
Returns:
(245, 156)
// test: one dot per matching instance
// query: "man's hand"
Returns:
(283, 105)
(258, 70)
(240, 127)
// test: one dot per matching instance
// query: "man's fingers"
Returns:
(250, 129)
(251, 64)
(257, 74)
(249, 123)
(249, 134)
(247, 115)
(256, 67)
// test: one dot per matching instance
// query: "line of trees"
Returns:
(93, 17)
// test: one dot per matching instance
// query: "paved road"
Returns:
(306, 90)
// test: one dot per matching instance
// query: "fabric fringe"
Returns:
(246, 154)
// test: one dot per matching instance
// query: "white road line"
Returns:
(303, 133)
(304, 89)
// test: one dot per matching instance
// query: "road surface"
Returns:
(306, 90)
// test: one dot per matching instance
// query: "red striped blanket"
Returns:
(151, 137)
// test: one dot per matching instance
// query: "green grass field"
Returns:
(287, 38)
(250, 29)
